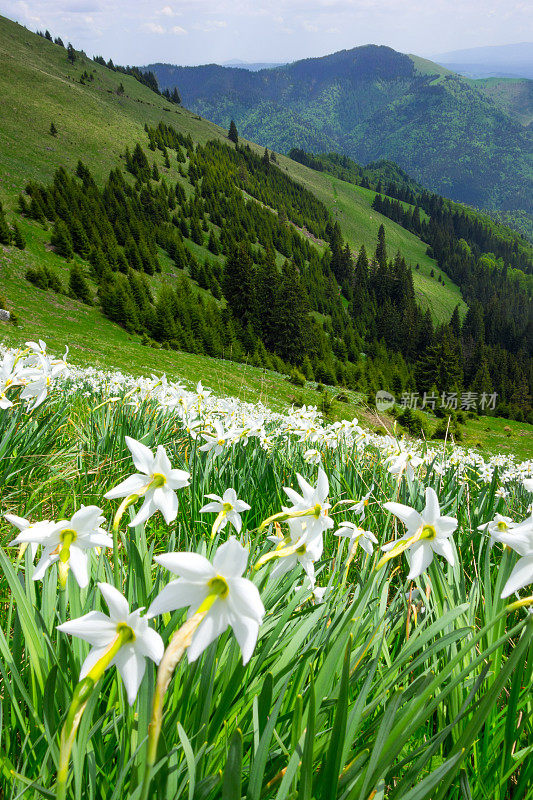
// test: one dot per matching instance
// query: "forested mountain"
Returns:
(192, 241)
(371, 103)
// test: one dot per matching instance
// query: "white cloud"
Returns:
(153, 27)
(167, 11)
(178, 30)
(210, 25)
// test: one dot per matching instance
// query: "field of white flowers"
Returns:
(203, 599)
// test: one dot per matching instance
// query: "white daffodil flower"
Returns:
(137, 641)
(303, 548)
(68, 542)
(360, 507)
(318, 593)
(427, 533)
(403, 461)
(156, 481)
(312, 456)
(32, 533)
(307, 520)
(497, 526)
(215, 442)
(357, 535)
(231, 600)
(528, 484)
(228, 509)
(9, 379)
(519, 539)
(312, 504)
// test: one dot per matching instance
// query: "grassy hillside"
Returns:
(96, 123)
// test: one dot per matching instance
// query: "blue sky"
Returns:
(203, 31)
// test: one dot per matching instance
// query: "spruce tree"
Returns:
(455, 323)
(5, 233)
(292, 338)
(381, 249)
(233, 134)
(61, 240)
(238, 285)
(18, 238)
(53, 129)
(78, 286)
(71, 53)
(268, 292)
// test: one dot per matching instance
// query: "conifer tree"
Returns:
(71, 53)
(78, 286)
(5, 233)
(455, 323)
(292, 333)
(80, 241)
(239, 285)
(233, 134)
(212, 244)
(268, 292)
(53, 129)
(61, 240)
(18, 238)
(381, 249)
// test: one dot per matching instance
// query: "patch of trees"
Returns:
(262, 291)
(147, 78)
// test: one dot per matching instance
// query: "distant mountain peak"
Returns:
(372, 102)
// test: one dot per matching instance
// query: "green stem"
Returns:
(126, 503)
(171, 657)
(81, 695)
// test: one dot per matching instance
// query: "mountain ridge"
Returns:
(372, 102)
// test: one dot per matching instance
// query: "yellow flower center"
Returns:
(66, 537)
(317, 510)
(125, 632)
(227, 507)
(158, 480)
(428, 532)
(502, 526)
(218, 585)
(301, 550)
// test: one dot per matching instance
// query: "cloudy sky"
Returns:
(203, 31)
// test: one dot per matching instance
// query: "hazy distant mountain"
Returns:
(252, 66)
(372, 103)
(507, 61)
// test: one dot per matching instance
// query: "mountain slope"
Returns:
(372, 102)
(192, 244)
(95, 122)
(513, 95)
